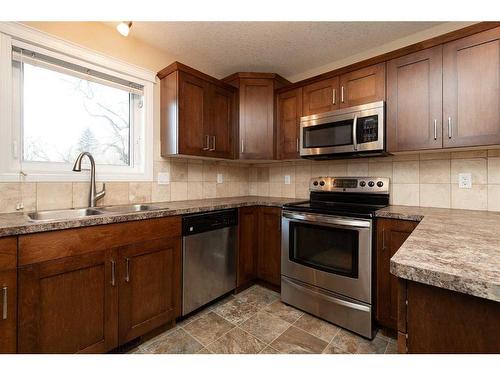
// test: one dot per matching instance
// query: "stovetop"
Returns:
(335, 208)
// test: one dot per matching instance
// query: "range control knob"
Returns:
(371, 184)
(315, 183)
(380, 184)
(322, 183)
(362, 183)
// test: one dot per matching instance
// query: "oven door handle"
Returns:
(334, 300)
(320, 219)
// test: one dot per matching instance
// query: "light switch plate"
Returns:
(163, 178)
(220, 178)
(465, 180)
(287, 179)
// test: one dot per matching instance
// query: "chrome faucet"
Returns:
(94, 196)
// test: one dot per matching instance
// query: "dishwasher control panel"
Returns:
(207, 221)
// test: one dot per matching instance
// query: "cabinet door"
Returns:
(194, 128)
(8, 311)
(269, 256)
(471, 90)
(256, 119)
(289, 113)
(322, 96)
(149, 285)
(222, 103)
(248, 245)
(69, 305)
(362, 86)
(414, 101)
(391, 234)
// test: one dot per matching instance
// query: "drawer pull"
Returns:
(4, 303)
(113, 273)
(127, 270)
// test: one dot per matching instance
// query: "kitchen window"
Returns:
(62, 106)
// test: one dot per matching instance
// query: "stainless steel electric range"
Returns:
(326, 250)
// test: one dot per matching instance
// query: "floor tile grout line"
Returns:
(232, 329)
(194, 338)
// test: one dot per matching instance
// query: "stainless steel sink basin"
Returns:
(63, 214)
(129, 208)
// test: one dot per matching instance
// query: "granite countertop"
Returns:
(452, 249)
(18, 223)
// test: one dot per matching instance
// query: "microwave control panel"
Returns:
(367, 129)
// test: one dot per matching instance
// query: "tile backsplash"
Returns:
(425, 179)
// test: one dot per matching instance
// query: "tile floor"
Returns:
(255, 321)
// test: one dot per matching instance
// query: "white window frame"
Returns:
(11, 166)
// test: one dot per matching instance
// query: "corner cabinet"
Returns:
(391, 234)
(197, 114)
(88, 290)
(256, 106)
(289, 112)
(8, 295)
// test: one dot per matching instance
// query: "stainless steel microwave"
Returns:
(353, 131)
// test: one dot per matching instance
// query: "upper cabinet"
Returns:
(289, 113)
(471, 90)
(362, 86)
(197, 113)
(256, 106)
(414, 101)
(322, 96)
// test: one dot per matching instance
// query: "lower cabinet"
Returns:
(259, 254)
(149, 286)
(8, 295)
(390, 236)
(115, 283)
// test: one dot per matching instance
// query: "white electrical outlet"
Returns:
(163, 178)
(465, 180)
(287, 179)
(220, 178)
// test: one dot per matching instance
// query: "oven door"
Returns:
(329, 252)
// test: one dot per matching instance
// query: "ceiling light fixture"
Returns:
(124, 27)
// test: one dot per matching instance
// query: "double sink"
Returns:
(87, 212)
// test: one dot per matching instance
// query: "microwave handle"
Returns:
(354, 132)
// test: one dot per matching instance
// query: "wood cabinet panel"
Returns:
(248, 245)
(256, 130)
(149, 286)
(69, 305)
(289, 107)
(222, 126)
(322, 96)
(362, 86)
(391, 234)
(8, 253)
(414, 101)
(269, 252)
(471, 95)
(8, 311)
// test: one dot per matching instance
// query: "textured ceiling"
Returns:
(287, 48)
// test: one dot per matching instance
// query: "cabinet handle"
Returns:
(242, 145)
(297, 144)
(127, 270)
(207, 143)
(4, 303)
(450, 128)
(435, 129)
(383, 238)
(113, 273)
(342, 94)
(334, 96)
(213, 140)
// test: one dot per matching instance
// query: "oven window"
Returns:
(329, 135)
(329, 249)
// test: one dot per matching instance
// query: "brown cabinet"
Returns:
(322, 96)
(149, 286)
(289, 112)
(256, 105)
(69, 305)
(248, 245)
(391, 234)
(471, 95)
(259, 254)
(269, 251)
(197, 113)
(8, 295)
(414, 101)
(87, 290)
(362, 86)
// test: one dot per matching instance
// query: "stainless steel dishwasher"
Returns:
(208, 257)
